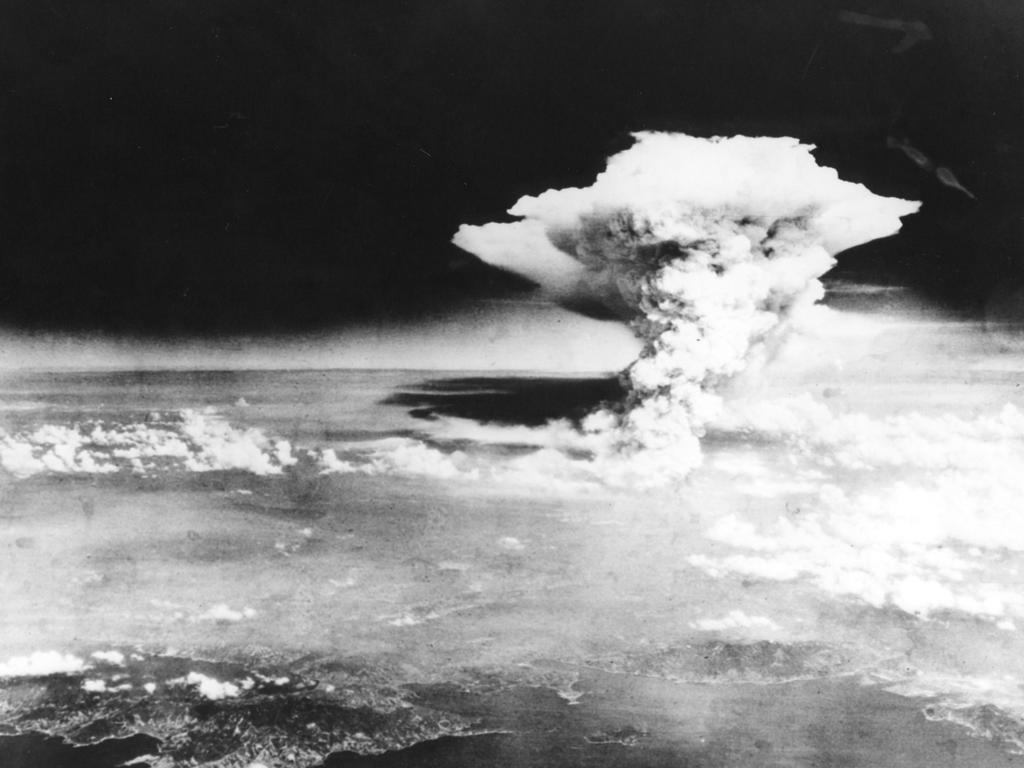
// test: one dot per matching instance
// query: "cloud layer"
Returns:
(195, 441)
(912, 510)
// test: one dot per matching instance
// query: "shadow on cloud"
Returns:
(519, 400)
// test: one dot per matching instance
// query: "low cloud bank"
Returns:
(912, 511)
(41, 664)
(196, 441)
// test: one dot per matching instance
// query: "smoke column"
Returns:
(708, 247)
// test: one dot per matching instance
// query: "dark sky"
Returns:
(206, 166)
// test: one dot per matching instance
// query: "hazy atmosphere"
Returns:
(515, 384)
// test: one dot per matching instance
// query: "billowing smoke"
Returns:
(708, 247)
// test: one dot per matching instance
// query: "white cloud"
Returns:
(110, 657)
(198, 441)
(19, 458)
(735, 619)
(400, 455)
(410, 620)
(211, 688)
(330, 463)
(920, 548)
(222, 612)
(901, 510)
(219, 446)
(859, 441)
(41, 663)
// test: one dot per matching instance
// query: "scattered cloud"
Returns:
(109, 657)
(904, 510)
(42, 663)
(211, 688)
(197, 441)
(735, 619)
(225, 613)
